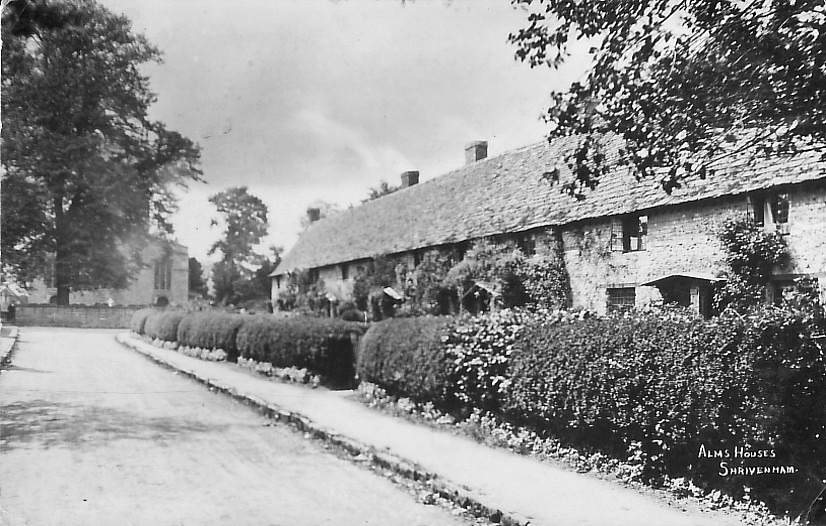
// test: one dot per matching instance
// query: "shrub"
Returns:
(545, 278)
(163, 325)
(752, 253)
(658, 388)
(211, 330)
(322, 345)
(480, 348)
(497, 266)
(139, 320)
(408, 357)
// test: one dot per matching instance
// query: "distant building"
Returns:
(163, 280)
(11, 294)
(626, 244)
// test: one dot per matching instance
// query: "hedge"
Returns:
(322, 345)
(163, 325)
(661, 388)
(139, 319)
(408, 357)
(211, 330)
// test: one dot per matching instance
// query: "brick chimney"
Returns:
(313, 214)
(410, 178)
(476, 151)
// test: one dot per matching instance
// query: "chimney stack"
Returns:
(476, 151)
(410, 178)
(313, 214)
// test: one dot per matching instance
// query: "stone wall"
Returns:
(683, 239)
(75, 316)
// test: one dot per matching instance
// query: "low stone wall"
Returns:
(75, 316)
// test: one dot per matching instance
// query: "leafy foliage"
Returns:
(659, 387)
(496, 268)
(322, 345)
(752, 253)
(408, 356)
(138, 321)
(163, 325)
(383, 189)
(545, 279)
(480, 348)
(197, 285)
(426, 287)
(685, 84)
(303, 294)
(86, 172)
(243, 217)
(210, 330)
(369, 284)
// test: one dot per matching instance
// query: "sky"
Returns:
(321, 100)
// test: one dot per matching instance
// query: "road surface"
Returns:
(94, 434)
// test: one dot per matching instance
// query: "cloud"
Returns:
(317, 99)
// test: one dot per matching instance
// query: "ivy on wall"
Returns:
(751, 254)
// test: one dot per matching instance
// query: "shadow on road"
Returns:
(54, 424)
(12, 367)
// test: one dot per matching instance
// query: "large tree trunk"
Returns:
(61, 277)
(62, 269)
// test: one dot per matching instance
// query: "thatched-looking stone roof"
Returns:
(508, 193)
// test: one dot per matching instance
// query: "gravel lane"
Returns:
(94, 434)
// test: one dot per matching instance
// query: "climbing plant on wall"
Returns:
(751, 254)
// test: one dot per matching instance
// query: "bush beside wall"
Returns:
(139, 320)
(322, 345)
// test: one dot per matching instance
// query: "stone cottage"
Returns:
(627, 243)
(163, 280)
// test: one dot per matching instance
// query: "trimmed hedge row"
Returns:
(408, 357)
(322, 345)
(211, 330)
(139, 319)
(163, 325)
(655, 387)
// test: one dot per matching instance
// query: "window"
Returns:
(758, 209)
(634, 230)
(621, 299)
(345, 271)
(163, 274)
(780, 211)
(779, 289)
(771, 209)
(314, 275)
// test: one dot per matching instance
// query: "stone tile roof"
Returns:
(507, 193)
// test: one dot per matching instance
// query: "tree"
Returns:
(197, 285)
(28, 18)
(244, 219)
(384, 188)
(86, 172)
(685, 84)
